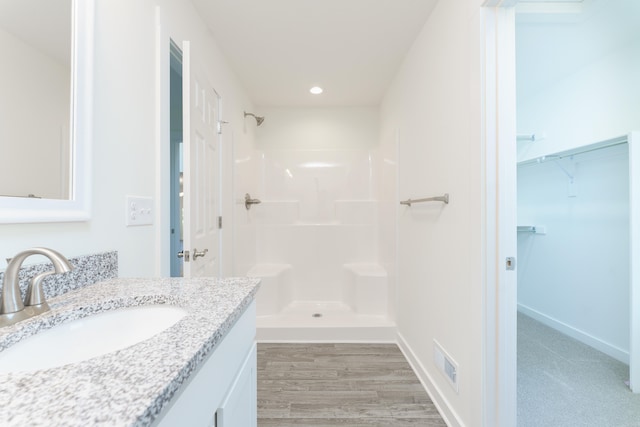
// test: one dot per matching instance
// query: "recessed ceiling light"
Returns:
(316, 90)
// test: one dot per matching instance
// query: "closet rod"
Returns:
(526, 137)
(612, 143)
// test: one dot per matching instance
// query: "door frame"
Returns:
(175, 167)
(164, 36)
(499, 392)
(500, 205)
(163, 147)
(633, 142)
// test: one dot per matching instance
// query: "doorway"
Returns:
(593, 124)
(572, 83)
(191, 228)
(176, 161)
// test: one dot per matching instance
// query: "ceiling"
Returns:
(353, 48)
(281, 48)
(43, 24)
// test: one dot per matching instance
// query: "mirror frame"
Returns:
(78, 207)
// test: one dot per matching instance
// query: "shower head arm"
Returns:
(259, 119)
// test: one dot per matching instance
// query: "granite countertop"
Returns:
(130, 386)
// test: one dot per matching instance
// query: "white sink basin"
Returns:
(89, 337)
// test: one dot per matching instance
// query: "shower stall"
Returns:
(321, 237)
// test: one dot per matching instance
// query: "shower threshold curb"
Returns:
(330, 334)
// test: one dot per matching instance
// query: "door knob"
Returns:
(197, 254)
(248, 201)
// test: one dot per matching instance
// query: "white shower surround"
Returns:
(316, 252)
(318, 228)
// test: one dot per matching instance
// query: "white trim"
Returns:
(506, 221)
(499, 388)
(585, 338)
(489, 337)
(443, 406)
(163, 156)
(15, 210)
(634, 261)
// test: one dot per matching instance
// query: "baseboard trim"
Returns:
(583, 337)
(444, 408)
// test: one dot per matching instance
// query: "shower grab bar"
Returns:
(444, 199)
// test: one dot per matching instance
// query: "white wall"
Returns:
(318, 128)
(124, 143)
(597, 102)
(434, 105)
(34, 108)
(386, 171)
(576, 276)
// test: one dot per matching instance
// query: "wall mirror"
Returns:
(45, 110)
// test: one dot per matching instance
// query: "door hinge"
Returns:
(220, 123)
(219, 222)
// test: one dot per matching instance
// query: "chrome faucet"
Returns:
(12, 309)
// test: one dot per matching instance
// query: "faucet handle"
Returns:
(35, 294)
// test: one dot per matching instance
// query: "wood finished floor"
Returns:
(340, 385)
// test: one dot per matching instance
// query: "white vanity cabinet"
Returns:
(222, 392)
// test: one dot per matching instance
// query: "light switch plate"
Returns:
(139, 211)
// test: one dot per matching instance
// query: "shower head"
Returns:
(259, 119)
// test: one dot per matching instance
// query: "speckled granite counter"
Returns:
(130, 386)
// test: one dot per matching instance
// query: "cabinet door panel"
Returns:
(202, 396)
(239, 406)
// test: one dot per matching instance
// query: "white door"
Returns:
(201, 170)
